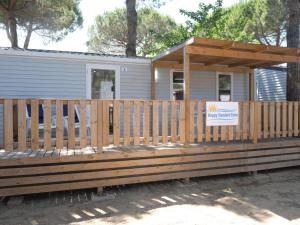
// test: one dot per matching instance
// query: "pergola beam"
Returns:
(241, 54)
(193, 66)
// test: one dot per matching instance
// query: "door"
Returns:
(103, 82)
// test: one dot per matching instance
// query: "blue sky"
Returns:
(91, 8)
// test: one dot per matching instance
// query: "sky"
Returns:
(76, 41)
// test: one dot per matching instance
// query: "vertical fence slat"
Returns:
(223, 133)
(266, 120)
(137, 123)
(34, 124)
(251, 121)
(116, 122)
(173, 121)
(182, 122)
(155, 125)
(296, 118)
(239, 126)
(100, 124)
(215, 133)
(200, 121)
(290, 119)
(259, 120)
(272, 119)
(59, 125)
(21, 124)
(192, 121)
(105, 122)
(94, 130)
(146, 122)
(8, 125)
(47, 125)
(245, 120)
(126, 122)
(255, 123)
(83, 141)
(284, 119)
(278, 119)
(230, 133)
(71, 124)
(165, 122)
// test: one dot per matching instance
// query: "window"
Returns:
(103, 81)
(177, 85)
(224, 87)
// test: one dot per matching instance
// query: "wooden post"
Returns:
(251, 85)
(153, 83)
(186, 66)
(255, 123)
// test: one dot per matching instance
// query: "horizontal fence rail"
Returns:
(47, 124)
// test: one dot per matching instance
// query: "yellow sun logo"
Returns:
(212, 108)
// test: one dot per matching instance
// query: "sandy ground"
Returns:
(267, 198)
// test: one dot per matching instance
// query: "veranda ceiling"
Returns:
(206, 53)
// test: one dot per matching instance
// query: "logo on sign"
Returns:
(222, 113)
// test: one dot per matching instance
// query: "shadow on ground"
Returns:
(266, 198)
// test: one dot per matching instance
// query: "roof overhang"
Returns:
(206, 54)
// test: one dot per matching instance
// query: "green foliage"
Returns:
(109, 32)
(51, 19)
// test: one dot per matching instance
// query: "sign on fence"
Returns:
(222, 113)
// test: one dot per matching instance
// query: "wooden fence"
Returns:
(97, 123)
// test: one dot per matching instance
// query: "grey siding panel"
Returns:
(22, 77)
(271, 84)
(203, 85)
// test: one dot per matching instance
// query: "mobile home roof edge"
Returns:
(68, 55)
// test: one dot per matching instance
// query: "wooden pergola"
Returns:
(219, 55)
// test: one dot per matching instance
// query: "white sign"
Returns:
(222, 113)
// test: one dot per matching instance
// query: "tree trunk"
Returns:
(28, 36)
(293, 41)
(12, 24)
(132, 26)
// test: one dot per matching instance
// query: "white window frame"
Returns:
(171, 81)
(217, 84)
(89, 68)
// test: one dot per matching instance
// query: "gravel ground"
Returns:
(271, 197)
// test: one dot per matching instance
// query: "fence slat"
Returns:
(155, 125)
(215, 133)
(105, 122)
(223, 133)
(284, 119)
(278, 119)
(272, 119)
(245, 120)
(296, 118)
(59, 125)
(126, 122)
(259, 120)
(146, 122)
(100, 124)
(21, 124)
(266, 120)
(173, 121)
(192, 121)
(116, 122)
(94, 130)
(182, 122)
(290, 119)
(71, 124)
(200, 121)
(165, 122)
(34, 124)
(137, 123)
(47, 125)
(239, 126)
(230, 133)
(83, 141)
(8, 125)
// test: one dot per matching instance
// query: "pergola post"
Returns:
(186, 74)
(251, 85)
(153, 82)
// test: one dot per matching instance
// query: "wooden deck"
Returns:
(25, 172)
